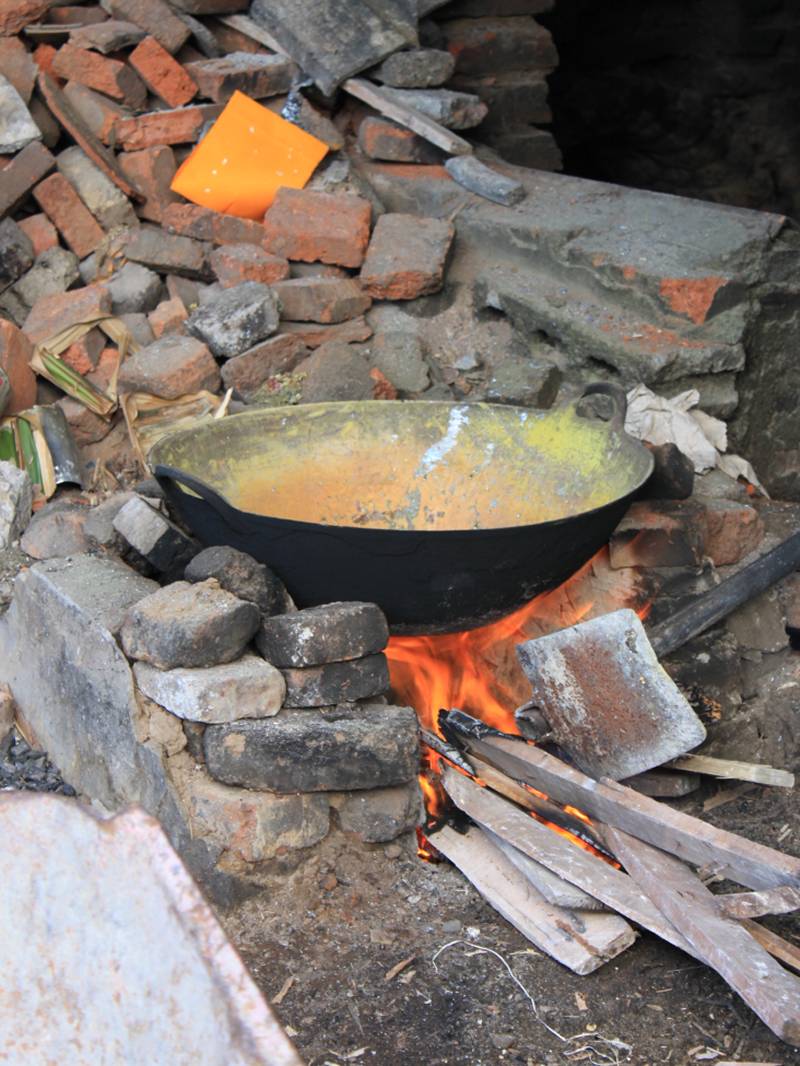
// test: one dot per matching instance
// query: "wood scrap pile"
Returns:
(577, 862)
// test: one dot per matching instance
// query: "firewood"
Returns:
(554, 888)
(733, 770)
(407, 116)
(789, 954)
(581, 941)
(754, 904)
(723, 943)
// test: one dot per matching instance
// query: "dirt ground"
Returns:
(474, 992)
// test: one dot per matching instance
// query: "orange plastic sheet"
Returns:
(246, 156)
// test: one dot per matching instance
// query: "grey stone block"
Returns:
(16, 499)
(418, 68)
(17, 128)
(236, 319)
(168, 252)
(530, 382)
(457, 111)
(380, 814)
(240, 574)
(170, 367)
(320, 686)
(133, 289)
(99, 524)
(328, 634)
(55, 270)
(16, 253)
(109, 205)
(153, 535)
(345, 748)
(247, 688)
(189, 625)
(399, 357)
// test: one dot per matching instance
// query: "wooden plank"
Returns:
(747, 863)
(753, 904)
(407, 116)
(789, 954)
(723, 943)
(611, 886)
(732, 770)
(554, 888)
(582, 942)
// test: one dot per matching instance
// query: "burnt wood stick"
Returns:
(691, 839)
(721, 942)
(714, 605)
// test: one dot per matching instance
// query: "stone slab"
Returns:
(332, 633)
(318, 686)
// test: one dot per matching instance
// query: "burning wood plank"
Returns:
(554, 888)
(742, 860)
(724, 944)
(732, 770)
(581, 941)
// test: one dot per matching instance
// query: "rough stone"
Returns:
(418, 68)
(342, 749)
(406, 257)
(317, 635)
(313, 336)
(380, 138)
(170, 367)
(236, 319)
(732, 531)
(310, 226)
(321, 299)
(154, 16)
(153, 535)
(457, 111)
(99, 524)
(16, 500)
(168, 317)
(109, 205)
(189, 625)
(380, 814)
(167, 253)
(478, 178)
(239, 574)
(16, 252)
(17, 65)
(659, 533)
(335, 371)
(235, 263)
(151, 171)
(257, 76)
(17, 128)
(760, 625)
(53, 272)
(245, 373)
(530, 382)
(321, 686)
(247, 688)
(399, 356)
(56, 531)
(134, 289)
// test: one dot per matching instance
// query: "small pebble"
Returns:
(393, 851)
(329, 882)
(452, 926)
(502, 1041)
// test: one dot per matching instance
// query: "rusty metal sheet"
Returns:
(110, 954)
(609, 702)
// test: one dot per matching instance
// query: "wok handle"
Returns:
(617, 396)
(169, 476)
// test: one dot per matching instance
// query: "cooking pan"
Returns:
(447, 515)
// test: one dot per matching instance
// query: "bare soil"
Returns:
(475, 991)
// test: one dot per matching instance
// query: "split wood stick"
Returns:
(581, 942)
(611, 886)
(789, 954)
(741, 860)
(723, 943)
(732, 770)
(407, 116)
(554, 888)
(753, 904)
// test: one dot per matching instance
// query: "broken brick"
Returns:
(107, 203)
(84, 354)
(179, 126)
(310, 226)
(321, 299)
(255, 75)
(170, 367)
(236, 319)
(67, 212)
(110, 36)
(107, 76)
(15, 354)
(43, 56)
(312, 335)
(406, 257)
(417, 68)
(154, 16)
(16, 64)
(167, 252)
(162, 74)
(235, 263)
(278, 355)
(732, 531)
(151, 170)
(51, 314)
(659, 533)
(73, 15)
(40, 231)
(98, 114)
(168, 317)
(381, 139)
(191, 220)
(15, 15)
(86, 426)
(22, 173)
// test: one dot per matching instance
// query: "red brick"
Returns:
(170, 367)
(181, 126)
(406, 257)
(15, 354)
(168, 317)
(21, 174)
(312, 335)
(16, 14)
(321, 299)
(108, 76)
(732, 530)
(71, 15)
(43, 56)
(151, 170)
(191, 220)
(50, 314)
(40, 231)
(67, 212)
(97, 112)
(256, 76)
(154, 16)
(235, 263)
(86, 426)
(162, 75)
(16, 64)
(84, 355)
(105, 370)
(380, 139)
(318, 226)
(231, 40)
(278, 355)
